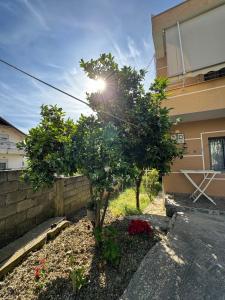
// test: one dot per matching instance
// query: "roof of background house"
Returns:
(6, 123)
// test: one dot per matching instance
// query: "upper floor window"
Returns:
(196, 46)
(217, 153)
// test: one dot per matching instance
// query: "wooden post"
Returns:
(59, 198)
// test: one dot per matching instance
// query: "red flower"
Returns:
(139, 226)
(37, 272)
(42, 261)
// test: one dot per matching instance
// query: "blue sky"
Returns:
(49, 37)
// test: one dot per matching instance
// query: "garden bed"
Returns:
(103, 281)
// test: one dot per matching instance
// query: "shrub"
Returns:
(139, 227)
(106, 239)
(77, 275)
(151, 183)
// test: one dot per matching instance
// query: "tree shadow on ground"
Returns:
(75, 217)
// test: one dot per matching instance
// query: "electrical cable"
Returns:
(61, 91)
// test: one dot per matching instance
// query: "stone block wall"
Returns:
(21, 208)
(76, 191)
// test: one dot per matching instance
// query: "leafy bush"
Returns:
(106, 239)
(139, 227)
(49, 148)
(151, 183)
(77, 275)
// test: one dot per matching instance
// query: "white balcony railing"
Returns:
(8, 147)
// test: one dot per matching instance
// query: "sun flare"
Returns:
(97, 85)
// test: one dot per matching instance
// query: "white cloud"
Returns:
(134, 52)
(36, 14)
(147, 45)
(54, 66)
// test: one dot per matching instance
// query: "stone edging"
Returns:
(35, 244)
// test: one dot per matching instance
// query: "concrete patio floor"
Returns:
(188, 264)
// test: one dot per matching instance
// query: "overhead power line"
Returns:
(149, 64)
(42, 81)
(61, 91)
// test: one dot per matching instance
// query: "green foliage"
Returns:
(99, 154)
(151, 183)
(77, 275)
(60, 147)
(124, 204)
(145, 132)
(106, 239)
(78, 278)
(49, 148)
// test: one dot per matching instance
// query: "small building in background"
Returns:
(189, 44)
(10, 156)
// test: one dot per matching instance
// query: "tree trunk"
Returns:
(105, 209)
(138, 184)
(97, 215)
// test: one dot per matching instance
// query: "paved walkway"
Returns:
(188, 264)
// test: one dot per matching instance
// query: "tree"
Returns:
(99, 158)
(60, 147)
(49, 148)
(143, 123)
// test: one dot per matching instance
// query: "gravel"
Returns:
(104, 281)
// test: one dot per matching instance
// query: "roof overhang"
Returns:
(6, 123)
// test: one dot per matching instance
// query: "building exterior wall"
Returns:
(21, 209)
(200, 104)
(203, 97)
(8, 150)
(196, 157)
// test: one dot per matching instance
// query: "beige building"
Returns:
(10, 156)
(189, 44)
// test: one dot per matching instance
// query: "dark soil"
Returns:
(104, 281)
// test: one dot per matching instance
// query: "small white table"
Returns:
(201, 188)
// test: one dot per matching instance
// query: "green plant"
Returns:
(77, 275)
(78, 278)
(49, 148)
(40, 273)
(60, 147)
(151, 183)
(145, 129)
(98, 153)
(125, 203)
(110, 250)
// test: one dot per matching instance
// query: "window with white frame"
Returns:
(217, 153)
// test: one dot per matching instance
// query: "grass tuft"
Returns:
(125, 203)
